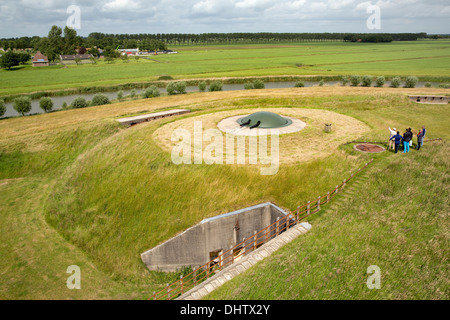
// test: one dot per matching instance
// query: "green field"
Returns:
(429, 60)
(78, 189)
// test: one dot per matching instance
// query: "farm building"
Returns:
(39, 60)
(70, 58)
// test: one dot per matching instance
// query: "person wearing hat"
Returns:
(392, 132)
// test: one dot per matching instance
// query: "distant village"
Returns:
(40, 60)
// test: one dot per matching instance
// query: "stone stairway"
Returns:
(245, 262)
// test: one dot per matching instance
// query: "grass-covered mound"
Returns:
(78, 189)
(395, 217)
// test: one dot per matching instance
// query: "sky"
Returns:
(35, 17)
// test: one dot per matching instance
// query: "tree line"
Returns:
(65, 41)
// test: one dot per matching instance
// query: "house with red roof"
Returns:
(39, 60)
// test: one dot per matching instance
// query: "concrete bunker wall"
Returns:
(197, 245)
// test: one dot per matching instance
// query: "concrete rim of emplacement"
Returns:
(231, 126)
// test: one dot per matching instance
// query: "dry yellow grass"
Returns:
(24, 126)
(305, 145)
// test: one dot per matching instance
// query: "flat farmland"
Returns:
(429, 60)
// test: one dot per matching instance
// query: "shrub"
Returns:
(355, 80)
(344, 80)
(165, 77)
(22, 105)
(411, 82)
(151, 92)
(202, 86)
(444, 85)
(180, 87)
(299, 84)
(2, 107)
(171, 88)
(380, 81)
(395, 82)
(428, 85)
(65, 106)
(258, 84)
(215, 86)
(366, 81)
(248, 86)
(133, 93)
(78, 103)
(46, 104)
(321, 82)
(120, 95)
(101, 99)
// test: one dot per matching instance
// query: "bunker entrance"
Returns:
(210, 241)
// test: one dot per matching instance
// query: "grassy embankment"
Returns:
(428, 60)
(395, 217)
(111, 193)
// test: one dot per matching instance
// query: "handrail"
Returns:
(247, 245)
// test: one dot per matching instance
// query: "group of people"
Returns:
(396, 139)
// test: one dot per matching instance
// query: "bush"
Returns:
(120, 95)
(444, 85)
(2, 107)
(22, 105)
(366, 81)
(180, 87)
(215, 86)
(65, 106)
(248, 86)
(395, 82)
(321, 82)
(258, 84)
(380, 81)
(411, 82)
(299, 84)
(78, 103)
(355, 80)
(165, 77)
(46, 104)
(428, 85)
(133, 93)
(202, 86)
(100, 99)
(171, 88)
(151, 92)
(344, 80)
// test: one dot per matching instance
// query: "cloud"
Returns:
(121, 5)
(35, 17)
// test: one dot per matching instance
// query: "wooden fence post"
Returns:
(277, 227)
(328, 196)
(318, 203)
(308, 208)
(181, 282)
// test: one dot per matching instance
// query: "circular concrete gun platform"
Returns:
(231, 125)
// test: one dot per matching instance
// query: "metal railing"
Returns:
(189, 281)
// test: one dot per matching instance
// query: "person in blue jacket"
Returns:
(397, 139)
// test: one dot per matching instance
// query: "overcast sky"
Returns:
(35, 17)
